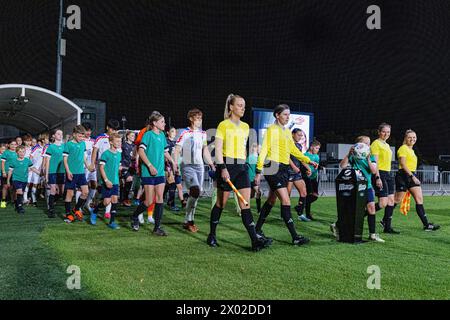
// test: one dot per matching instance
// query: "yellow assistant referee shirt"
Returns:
(234, 137)
(277, 146)
(410, 155)
(383, 151)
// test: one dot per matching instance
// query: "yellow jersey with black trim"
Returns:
(278, 146)
(410, 155)
(234, 137)
(383, 151)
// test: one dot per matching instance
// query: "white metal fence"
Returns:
(432, 182)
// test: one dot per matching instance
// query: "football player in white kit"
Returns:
(27, 141)
(193, 143)
(101, 144)
(36, 157)
(91, 176)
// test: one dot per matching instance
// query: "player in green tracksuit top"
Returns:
(7, 156)
(252, 159)
(18, 171)
(152, 152)
(55, 173)
(109, 171)
(75, 160)
(312, 181)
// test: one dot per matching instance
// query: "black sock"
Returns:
(377, 206)
(422, 215)
(113, 212)
(215, 218)
(371, 222)
(171, 198)
(247, 220)
(126, 190)
(19, 201)
(308, 208)
(80, 203)
(158, 214)
(51, 201)
(140, 208)
(68, 206)
(258, 204)
(301, 205)
(388, 212)
(263, 214)
(287, 217)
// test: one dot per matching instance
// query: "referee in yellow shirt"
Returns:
(383, 181)
(406, 178)
(277, 147)
(231, 144)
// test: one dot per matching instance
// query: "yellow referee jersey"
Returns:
(383, 151)
(410, 155)
(234, 137)
(277, 146)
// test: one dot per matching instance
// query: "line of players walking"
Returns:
(153, 164)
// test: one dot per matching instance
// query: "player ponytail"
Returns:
(230, 101)
(154, 116)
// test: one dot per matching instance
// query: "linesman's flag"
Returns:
(406, 203)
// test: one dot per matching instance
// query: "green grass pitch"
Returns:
(35, 253)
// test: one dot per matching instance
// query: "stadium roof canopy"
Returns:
(35, 110)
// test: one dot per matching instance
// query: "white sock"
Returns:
(190, 209)
(25, 194)
(77, 196)
(90, 197)
(108, 208)
(33, 194)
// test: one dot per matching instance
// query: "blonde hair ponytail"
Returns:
(230, 100)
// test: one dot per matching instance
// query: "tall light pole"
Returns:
(61, 47)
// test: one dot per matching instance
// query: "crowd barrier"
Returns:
(433, 182)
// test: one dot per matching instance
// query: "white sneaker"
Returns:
(376, 237)
(141, 219)
(151, 220)
(304, 218)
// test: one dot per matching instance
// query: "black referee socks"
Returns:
(216, 212)
(263, 214)
(247, 220)
(287, 217)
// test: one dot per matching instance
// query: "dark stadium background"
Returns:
(172, 55)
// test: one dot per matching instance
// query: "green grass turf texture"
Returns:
(121, 264)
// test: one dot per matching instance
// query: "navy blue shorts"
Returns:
(108, 193)
(152, 181)
(19, 185)
(295, 177)
(78, 180)
(56, 178)
(370, 195)
(177, 179)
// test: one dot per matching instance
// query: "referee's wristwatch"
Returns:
(377, 178)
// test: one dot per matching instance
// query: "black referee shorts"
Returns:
(388, 184)
(238, 176)
(279, 179)
(403, 182)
